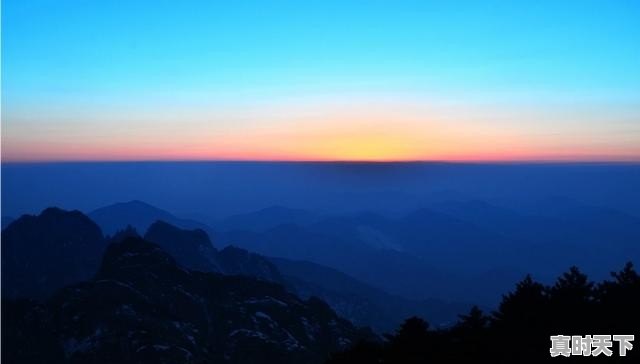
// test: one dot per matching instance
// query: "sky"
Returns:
(321, 80)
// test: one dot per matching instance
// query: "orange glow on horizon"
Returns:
(366, 132)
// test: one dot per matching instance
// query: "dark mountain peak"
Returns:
(53, 228)
(127, 232)
(136, 211)
(195, 236)
(235, 260)
(143, 308)
(35, 247)
(55, 211)
(191, 248)
(133, 252)
(139, 215)
(136, 204)
(61, 218)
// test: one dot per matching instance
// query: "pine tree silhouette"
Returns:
(519, 330)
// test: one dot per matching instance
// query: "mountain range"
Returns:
(142, 306)
(463, 251)
(339, 252)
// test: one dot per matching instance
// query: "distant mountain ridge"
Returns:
(139, 215)
(267, 218)
(380, 251)
(194, 250)
(359, 302)
(478, 248)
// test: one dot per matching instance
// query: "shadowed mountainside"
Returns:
(45, 252)
(361, 303)
(192, 249)
(142, 307)
(462, 250)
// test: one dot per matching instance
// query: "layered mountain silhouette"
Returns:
(384, 268)
(242, 262)
(71, 295)
(462, 250)
(139, 215)
(359, 302)
(193, 249)
(353, 254)
(45, 252)
(465, 250)
(359, 263)
(352, 299)
(267, 218)
(142, 306)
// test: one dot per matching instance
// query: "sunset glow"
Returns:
(290, 82)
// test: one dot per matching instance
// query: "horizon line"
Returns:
(336, 161)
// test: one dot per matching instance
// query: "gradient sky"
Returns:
(320, 80)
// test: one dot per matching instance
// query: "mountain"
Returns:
(143, 307)
(385, 269)
(352, 299)
(359, 302)
(575, 230)
(234, 260)
(139, 215)
(267, 218)
(45, 252)
(191, 248)
(6, 220)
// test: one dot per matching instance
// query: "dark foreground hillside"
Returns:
(142, 307)
(519, 331)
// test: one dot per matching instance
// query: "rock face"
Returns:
(143, 307)
(45, 252)
(242, 262)
(191, 248)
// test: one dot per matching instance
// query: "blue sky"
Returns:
(70, 67)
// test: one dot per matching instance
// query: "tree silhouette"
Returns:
(520, 329)
(619, 300)
(571, 300)
(474, 321)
